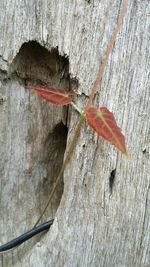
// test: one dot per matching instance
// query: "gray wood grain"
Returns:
(94, 225)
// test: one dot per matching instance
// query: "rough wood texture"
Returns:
(95, 225)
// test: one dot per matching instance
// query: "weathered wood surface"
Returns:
(93, 226)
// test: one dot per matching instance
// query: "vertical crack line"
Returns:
(144, 217)
(112, 180)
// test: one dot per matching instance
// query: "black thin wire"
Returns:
(22, 238)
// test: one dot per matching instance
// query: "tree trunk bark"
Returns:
(102, 211)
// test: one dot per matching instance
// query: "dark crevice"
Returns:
(144, 151)
(112, 180)
(3, 75)
(1, 100)
(35, 65)
(54, 145)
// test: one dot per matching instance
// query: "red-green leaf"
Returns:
(103, 122)
(54, 95)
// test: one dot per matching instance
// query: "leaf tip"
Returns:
(125, 152)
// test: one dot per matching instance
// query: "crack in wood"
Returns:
(112, 180)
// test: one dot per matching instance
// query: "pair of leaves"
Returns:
(102, 120)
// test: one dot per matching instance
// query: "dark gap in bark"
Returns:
(144, 151)
(88, 1)
(54, 145)
(112, 180)
(46, 135)
(1, 100)
(34, 63)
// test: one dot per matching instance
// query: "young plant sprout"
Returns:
(101, 120)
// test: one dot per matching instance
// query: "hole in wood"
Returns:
(34, 63)
(54, 145)
(112, 180)
(45, 126)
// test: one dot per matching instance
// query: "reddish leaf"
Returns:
(103, 122)
(54, 95)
